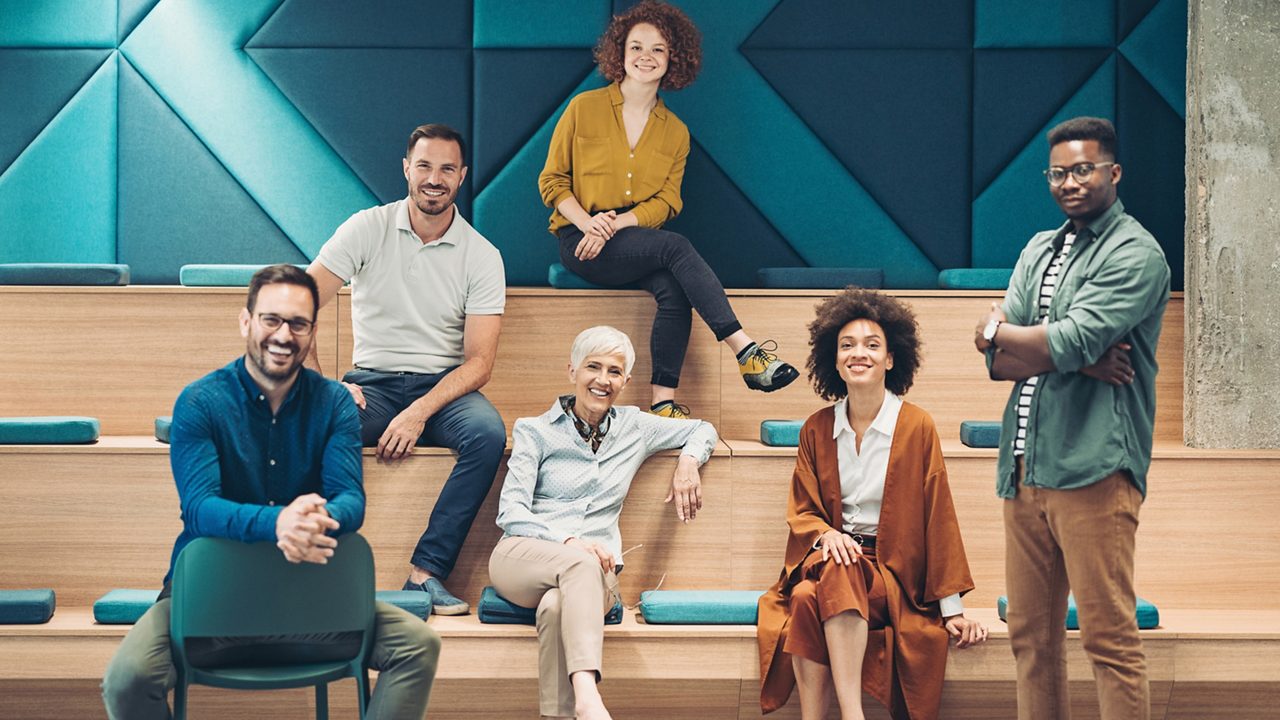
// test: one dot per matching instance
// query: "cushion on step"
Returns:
(26, 607)
(497, 610)
(780, 433)
(163, 423)
(820, 278)
(219, 275)
(52, 430)
(980, 433)
(123, 607)
(63, 274)
(1147, 614)
(699, 607)
(414, 602)
(975, 278)
(561, 277)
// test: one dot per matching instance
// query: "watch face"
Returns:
(989, 331)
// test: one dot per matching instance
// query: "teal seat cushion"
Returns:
(1148, 615)
(497, 610)
(699, 607)
(975, 278)
(219, 275)
(820, 278)
(163, 424)
(26, 607)
(48, 430)
(63, 274)
(123, 607)
(780, 433)
(980, 434)
(414, 602)
(559, 276)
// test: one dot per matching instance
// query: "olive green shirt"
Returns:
(1113, 287)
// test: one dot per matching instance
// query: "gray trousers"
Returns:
(405, 651)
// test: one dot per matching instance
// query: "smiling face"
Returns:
(277, 354)
(596, 384)
(862, 354)
(1083, 201)
(645, 54)
(434, 171)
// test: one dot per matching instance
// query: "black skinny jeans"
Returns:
(665, 264)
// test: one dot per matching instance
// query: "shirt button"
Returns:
(272, 503)
(261, 398)
(628, 174)
(632, 155)
(273, 421)
(272, 462)
(628, 192)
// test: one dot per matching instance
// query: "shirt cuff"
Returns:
(951, 605)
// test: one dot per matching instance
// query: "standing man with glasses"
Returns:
(1077, 335)
(265, 450)
(427, 295)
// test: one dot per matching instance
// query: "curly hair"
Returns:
(902, 336)
(684, 51)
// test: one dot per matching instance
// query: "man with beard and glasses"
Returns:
(1077, 335)
(427, 295)
(264, 449)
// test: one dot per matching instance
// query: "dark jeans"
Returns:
(470, 426)
(667, 265)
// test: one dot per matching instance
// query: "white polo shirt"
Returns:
(410, 300)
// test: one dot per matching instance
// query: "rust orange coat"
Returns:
(921, 560)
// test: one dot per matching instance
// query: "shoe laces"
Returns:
(678, 411)
(766, 352)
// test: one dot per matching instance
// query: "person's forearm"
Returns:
(573, 211)
(471, 375)
(1005, 366)
(1028, 345)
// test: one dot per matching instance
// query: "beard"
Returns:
(436, 205)
(259, 355)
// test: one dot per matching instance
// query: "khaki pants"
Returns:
(405, 650)
(571, 592)
(1081, 541)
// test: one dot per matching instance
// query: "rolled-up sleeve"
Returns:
(1126, 290)
(555, 183)
(696, 438)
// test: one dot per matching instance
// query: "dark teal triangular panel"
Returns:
(875, 24)
(1014, 93)
(515, 92)
(1157, 48)
(35, 85)
(177, 203)
(728, 231)
(368, 24)
(131, 13)
(1152, 148)
(1131, 12)
(366, 102)
(899, 120)
(1044, 23)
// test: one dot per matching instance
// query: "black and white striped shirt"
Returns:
(1047, 287)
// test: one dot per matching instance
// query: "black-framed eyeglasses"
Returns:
(1080, 171)
(297, 326)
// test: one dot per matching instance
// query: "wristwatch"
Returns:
(989, 332)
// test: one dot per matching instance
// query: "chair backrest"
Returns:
(225, 588)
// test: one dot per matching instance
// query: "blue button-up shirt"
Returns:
(236, 465)
(556, 488)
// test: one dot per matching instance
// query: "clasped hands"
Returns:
(597, 231)
(301, 530)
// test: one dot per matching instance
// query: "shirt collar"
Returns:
(1093, 230)
(615, 99)
(450, 237)
(885, 422)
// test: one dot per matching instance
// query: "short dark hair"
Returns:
(684, 43)
(1086, 128)
(902, 338)
(436, 131)
(283, 274)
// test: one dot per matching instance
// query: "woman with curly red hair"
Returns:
(613, 177)
(874, 565)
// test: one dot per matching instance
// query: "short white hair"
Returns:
(602, 340)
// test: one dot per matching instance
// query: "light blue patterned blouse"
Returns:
(556, 488)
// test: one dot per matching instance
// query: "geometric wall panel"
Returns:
(914, 24)
(368, 24)
(544, 24)
(1044, 23)
(58, 23)
(1157, 49)
(58, 198)
(34, 85)
(1131, 12)
(168, 218)
(131, 13)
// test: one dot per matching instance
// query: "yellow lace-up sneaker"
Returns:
(670, 409)
(762, 370)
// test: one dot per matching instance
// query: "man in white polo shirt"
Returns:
(427, 295)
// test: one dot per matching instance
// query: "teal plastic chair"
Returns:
(224, 588)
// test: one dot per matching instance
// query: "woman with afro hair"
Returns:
(612, 178)
(875, 567)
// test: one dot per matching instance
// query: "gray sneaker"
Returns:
(443, 602)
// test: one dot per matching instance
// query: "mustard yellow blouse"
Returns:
(590, 159)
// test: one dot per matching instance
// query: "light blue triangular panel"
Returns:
(131, 13)
(1158, 49)
(1017, 204)
(58, 23)
(58, 198)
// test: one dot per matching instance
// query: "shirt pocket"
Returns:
(591, 156)
(657, 170)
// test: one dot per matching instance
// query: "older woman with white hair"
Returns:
(569, 473)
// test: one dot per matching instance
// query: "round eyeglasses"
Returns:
(1080, 171)
(297, 326)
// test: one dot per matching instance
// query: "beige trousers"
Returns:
(571, 592)
(1081, 541)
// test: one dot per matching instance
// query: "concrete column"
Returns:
(1232, 387)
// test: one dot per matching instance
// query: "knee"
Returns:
(549, 607)
(486, 434)
(677, 243)
(129, 677)
(422, 649)
(804, 596)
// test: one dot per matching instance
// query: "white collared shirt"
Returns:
(863, 471)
